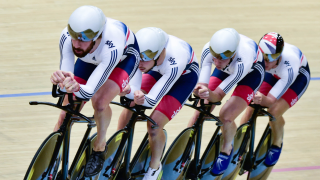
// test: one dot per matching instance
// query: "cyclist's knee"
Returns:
(100, 105)
(154, 132)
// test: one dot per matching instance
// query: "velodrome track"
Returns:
(29, 53)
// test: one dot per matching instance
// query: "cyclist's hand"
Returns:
(257, 98)
(203, 91)
(57, 78)
(138, 97)
(125, 91)
(71, 85)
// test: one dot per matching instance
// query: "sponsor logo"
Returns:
(125, 82)
(172, 61)
(294, 101)
(110, 44)
(94, 58)
(287, 63)
(176, 112)
(250, 96)
(239, 60)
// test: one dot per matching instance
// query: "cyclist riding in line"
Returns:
(239, 63)
(107, 58)
(286, 79)
(170, 74)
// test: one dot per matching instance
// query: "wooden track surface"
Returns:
(29, 53)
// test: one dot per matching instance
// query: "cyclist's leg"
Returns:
(157, 138)
(228, 113)
(102, 111)
(168, 107)
(290, 97)
(239, 100)
(215, 80)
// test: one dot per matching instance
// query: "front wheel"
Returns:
(261, 171)
(174, 165)
(45, 162)
(240, 146)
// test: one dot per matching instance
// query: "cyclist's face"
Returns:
(221, 64)
(81, 48)
(145, 66)
(270, 65)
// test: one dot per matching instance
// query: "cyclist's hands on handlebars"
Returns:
(257, 98)
(139, 97)
(65, 79)
(202, 91)
(125, 91)
(57, 78)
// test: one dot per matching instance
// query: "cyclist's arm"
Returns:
(163, 85)
(287, 76)
(268, 100)
(135, 83)
(206, 64)
(216, 95)
(66, 53)
(100, 75)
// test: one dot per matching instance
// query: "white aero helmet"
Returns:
(151, 42)
(86, 23)
(224, 43)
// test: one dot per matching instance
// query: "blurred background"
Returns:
(29, 53)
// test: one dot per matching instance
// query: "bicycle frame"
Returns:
(65, 130)
(250, 161)
(138, 115)
(204, 109)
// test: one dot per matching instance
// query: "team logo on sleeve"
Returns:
(110, 44)
(172, 61)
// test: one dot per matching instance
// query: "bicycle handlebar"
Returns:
(261, 109)
(137, 109)
(68, 108)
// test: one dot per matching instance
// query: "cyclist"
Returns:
(170, 74)
(107, 57)
(286, 79)
(238, 63)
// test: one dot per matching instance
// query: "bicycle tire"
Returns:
(38, 168)
(240, 147)
(144, 157)
(173, 156)
(111, 166)
(261, 171)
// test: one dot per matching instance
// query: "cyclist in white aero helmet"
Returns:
(238, 63)
(107, 57)
(170, 75)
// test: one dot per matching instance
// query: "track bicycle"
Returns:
(55, 148)
(177, 162)
(117, 165)
(245, 158)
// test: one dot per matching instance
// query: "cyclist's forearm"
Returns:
(267, 101)
(214, 96)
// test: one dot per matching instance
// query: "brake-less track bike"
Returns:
(55, 148)
(245, 158)
(117, 165)
(177, 162)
